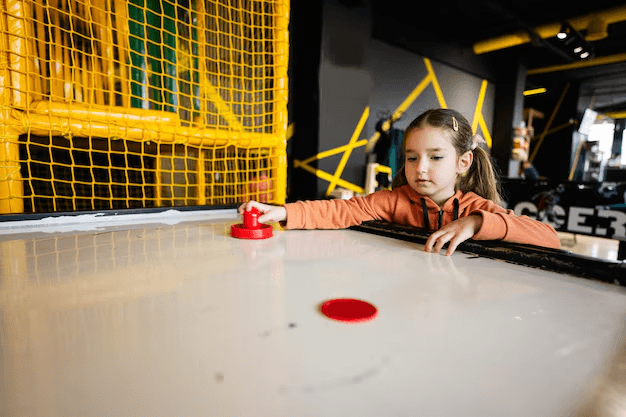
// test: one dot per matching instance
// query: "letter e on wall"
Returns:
(618, 222)
(577, 216)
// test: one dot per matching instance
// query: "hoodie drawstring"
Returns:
(441, 212)
(426, 219)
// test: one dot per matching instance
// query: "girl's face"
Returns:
(432, 164)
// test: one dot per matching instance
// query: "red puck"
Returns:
(349, 310)
(251, 228)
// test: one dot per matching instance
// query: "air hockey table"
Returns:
(166, 314)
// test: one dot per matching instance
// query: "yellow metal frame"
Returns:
(534, 91)
(348, 151)
(430, 78)
(479, 119)
(616, 114)
(609, 16)
(546, 130)
(605, 60)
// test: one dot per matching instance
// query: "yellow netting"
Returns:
(109, 104)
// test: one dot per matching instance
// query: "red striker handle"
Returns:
(251, 218)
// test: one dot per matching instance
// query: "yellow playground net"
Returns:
(115, 104)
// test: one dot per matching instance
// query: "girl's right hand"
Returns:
(271, 214)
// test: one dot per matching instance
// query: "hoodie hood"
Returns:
(464, 200)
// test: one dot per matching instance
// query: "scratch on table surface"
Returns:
(351, 380)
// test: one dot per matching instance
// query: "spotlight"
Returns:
(564, 32)
(573, 43)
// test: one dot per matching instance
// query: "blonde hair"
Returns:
(481, 177)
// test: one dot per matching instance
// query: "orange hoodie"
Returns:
(406, 207)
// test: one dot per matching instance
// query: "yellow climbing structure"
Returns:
(115, 104)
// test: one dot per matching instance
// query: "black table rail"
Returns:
(556, 260)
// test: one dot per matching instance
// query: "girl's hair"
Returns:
(481, 177)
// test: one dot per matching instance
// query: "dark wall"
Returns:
(305, 32)
(554, 157)
(358, 70)
(345, 83)
(508, 113)
(363, 61)
(396, 72)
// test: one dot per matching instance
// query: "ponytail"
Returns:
(400, 179)
(481, 178)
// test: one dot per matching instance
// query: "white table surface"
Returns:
(177, 318)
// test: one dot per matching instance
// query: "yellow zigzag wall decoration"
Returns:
(335, 179)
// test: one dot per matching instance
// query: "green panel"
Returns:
(138, 71)
(152, 26)
(153, 30)
(169, 30)
(195, 82)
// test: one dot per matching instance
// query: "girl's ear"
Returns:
(465, 162)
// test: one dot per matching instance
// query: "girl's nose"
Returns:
(421, 166)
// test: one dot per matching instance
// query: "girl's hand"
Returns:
(271, 214)
(455, 232)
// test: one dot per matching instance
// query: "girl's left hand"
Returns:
(455, 232)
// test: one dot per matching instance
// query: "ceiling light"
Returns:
(563, 33)
(573, 43)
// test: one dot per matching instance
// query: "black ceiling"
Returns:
(464, 23)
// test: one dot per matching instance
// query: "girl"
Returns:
(447, 185)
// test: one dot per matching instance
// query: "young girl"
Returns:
(447, 185)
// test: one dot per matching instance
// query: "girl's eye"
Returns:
(411, 159)
(436, 158)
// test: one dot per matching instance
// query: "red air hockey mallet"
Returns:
(251, 228)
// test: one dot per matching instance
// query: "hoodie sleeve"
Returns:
(502, 224)
(340, 214)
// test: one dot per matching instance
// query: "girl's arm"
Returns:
(340, 214)
(327, 214)
(501, 224)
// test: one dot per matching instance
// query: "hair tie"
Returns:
(455, 124)
(476, 139)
